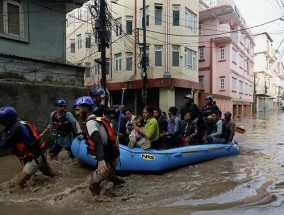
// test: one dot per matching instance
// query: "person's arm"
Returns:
(73, 121)
(46, 130)
(219, 129)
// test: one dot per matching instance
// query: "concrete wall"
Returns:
(34, 102)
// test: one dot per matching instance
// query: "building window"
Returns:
(241, 62)
(190, 59)
(88, 40)
(190, 20)
(129, 61)
(200, 28)
(72, 45)
(201, 79)
(107, 67)
(117, 59)
(158, 14)
(176, 9)
(222, 83)
(129, 25)
(96, 67)
(146, 18)
(175, 55)
(118, 27)
(241, 87)
(158, 55)
(246, 89)
(201, 53)
(79, 41)
(234, 56)
(222, 53)
(87, 70)
(12, 18)
(234, 84)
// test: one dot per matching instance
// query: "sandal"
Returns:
(146, 145)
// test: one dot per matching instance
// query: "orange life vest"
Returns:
(25, 152)
(111, 140)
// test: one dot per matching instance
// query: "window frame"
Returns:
(23, 21)
(158, 50)
(129, 20)
(222, 83)
(158, 7)
(118, 27)
(175, 50)
(188, 53)
(129, 55)
(201, 55)
(118, 61)
(176, 20)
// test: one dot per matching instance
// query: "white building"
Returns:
(172, 47)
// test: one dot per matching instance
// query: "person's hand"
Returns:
(79, 131)
(102, 168)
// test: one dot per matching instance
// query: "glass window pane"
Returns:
(13, 19)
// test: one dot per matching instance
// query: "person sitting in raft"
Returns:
(219, 133)
(26, 143)
(118, 121)
(151, 127)
(135, 137)
(229, 126)
(188, 130)
(161, 119)
(173, 135)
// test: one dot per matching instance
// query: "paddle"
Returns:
(240, 130)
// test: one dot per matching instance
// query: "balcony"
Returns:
(223, 34)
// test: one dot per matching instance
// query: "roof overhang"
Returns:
(64, 6)
(226, 14)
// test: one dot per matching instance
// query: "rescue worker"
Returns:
(101, 143)
(100, 108)
(62, 125)
(25, 141)
(209, 108)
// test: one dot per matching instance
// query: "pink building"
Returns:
(226, 57)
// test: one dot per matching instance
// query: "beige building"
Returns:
(269, 75)
(172, 49)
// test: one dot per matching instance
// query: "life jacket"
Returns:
(112, 142)
(61, 124)
(25, 152)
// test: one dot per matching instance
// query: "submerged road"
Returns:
(249, 183)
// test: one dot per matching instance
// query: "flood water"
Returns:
(249, 183)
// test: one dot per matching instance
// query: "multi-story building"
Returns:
(268, 74)
(226, 57)
(171, 48)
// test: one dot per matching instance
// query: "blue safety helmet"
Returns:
(84, 100)
(60, 102)
(98, 91)
(8, 113)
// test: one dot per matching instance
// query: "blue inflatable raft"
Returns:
(137, 159)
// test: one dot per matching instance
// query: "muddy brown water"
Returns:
(249, 183)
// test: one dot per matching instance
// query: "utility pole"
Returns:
(144, 57)
(104, 43)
